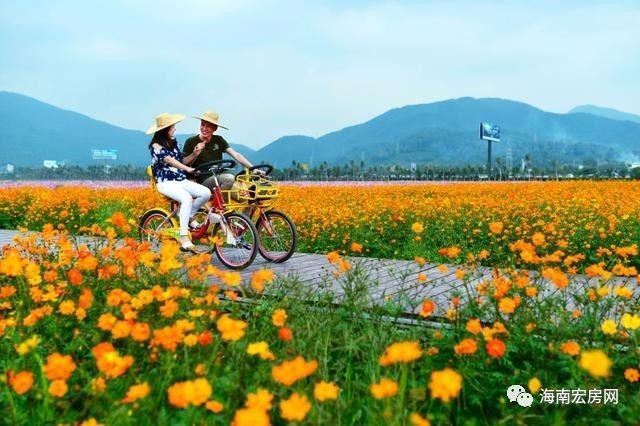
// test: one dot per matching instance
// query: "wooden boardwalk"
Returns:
(402, 283)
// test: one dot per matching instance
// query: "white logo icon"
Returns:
(517, 393)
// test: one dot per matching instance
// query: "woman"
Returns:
(169, 171)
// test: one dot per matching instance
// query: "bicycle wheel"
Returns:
(235, 242)
(151, 225)
(277, 236)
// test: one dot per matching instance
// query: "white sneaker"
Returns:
(214, 217)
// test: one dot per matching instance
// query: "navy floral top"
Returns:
(163, 171)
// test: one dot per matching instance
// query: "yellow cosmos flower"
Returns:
(385, 388)
(290, 372)
(609, 327)
(445, 384)
(231, 330)
(324, 391)
(596, 363)
(279, 317)
(295, 408)
(401, 352)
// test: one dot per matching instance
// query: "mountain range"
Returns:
(439, 133)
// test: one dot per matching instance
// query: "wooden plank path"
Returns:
(387, 281)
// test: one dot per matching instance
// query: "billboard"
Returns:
(490, 132)
(104, 154)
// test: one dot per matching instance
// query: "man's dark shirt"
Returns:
(212, 150)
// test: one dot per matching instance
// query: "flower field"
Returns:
(115, 333)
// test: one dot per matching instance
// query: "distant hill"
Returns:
(442, 133)
(446, 132)
(611, 113)
(34, 131)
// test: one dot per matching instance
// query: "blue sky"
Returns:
(275, 68)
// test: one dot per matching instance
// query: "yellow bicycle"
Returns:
(256, 194)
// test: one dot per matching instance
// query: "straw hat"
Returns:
(165, 120)
(211, 117)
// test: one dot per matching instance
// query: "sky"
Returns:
(286, 67)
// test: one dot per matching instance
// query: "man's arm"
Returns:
(238, 157)
(192, 152)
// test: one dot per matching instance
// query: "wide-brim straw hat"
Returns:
(211, 117)
(165, 120)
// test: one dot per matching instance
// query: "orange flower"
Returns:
(507, 305)
(58, 388)
(59, 367)
(102, 348)
(466, 347)
(231, 330)
(112, 365)
(356, 247)
(214, 406)
(118, 219)
(428, 307)
(596, 363)
(417, 420)
(417, 227)
(250, 417)
(401, 352)
(279, 317)
(285, 334)
(557, 277)
(260, 278)
(260, 399)
(121, 329)
(474, 326)
(140, 332)
(333, 257)
(20, 382)
(136, 392)
(205, 338)
(496, 227)
(385, 388)
(261, 349)
(570, 348)
(231, 278)
(86, 298)
(169, 308)
(495, 348)
(445, 384)
(632, 375)
(183, 394)
(324, 391)
(67, 307)
(538, 239)
(295, 408)
(290, 372)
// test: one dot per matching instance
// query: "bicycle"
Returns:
(228, 233)
(256, 194)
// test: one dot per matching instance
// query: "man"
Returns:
(206, 147)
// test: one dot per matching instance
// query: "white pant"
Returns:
(184, 192)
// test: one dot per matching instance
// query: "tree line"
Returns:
(356, 171)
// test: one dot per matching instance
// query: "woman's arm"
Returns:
(168, 159)
(178, 165)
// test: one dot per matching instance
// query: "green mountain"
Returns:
(35, 131)
(446, 132)
(442, 133)
(611, 113)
